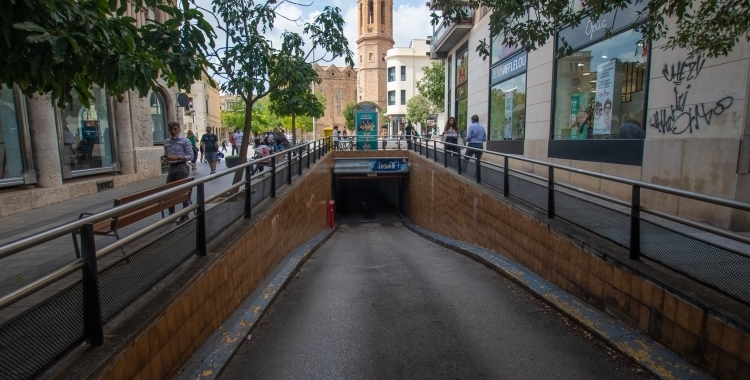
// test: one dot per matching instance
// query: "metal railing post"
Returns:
(308, 156)
(92, 316)
(635, 224)
(445, 155)
(459, 160)
(273, 177)
(551, 193)
(299, 161)
(479, 171)
(200, 230)
(248, 201)
(289, 167)
(506, 178)
(434, 149)
(315, 151)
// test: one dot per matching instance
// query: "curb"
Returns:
(634, 344)
(214, 354)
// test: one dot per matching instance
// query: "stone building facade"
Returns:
(690, 113)
(339, 86)
(374, 39)
(205, 110)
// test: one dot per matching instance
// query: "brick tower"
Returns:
(374, 38)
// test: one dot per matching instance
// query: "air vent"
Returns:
(104, 185)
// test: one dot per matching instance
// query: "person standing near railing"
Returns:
(336, 137)
(177, 153)
(409, 132)
(451, 135)
(384, 135)
(475, 138)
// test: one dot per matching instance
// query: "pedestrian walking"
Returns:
(210, 145)
(336, 137)
(384, 135)
(238, 136)
(177, 153)
(193, 142)
(224, 145)
(475, 138)
(409, 132)
(234, 142)
(451, 135)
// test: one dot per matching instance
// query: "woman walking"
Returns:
(193, 141)
(451, 135)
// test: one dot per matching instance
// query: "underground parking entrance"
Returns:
(370, 189)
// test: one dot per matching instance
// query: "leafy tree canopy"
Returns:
(710, 28)
(234, 117)
(57, 46)
(296, 97)
(432, 85)
(350, 111)
(418, 109)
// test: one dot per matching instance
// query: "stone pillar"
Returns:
(44, 141)
(125, 149)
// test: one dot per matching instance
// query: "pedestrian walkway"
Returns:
(23, 268)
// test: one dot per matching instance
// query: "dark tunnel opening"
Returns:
(369, 200)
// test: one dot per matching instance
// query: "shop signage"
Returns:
(591, 30)
(509, 68)
(370, 165)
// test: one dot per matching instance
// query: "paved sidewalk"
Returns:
(23, 268)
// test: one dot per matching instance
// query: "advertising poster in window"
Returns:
(367, 127)
(579, 119)
(508, 132)
(604, 104)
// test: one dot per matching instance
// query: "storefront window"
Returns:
(158, 122)
(600, 88)
(11, 157)
(462, 87)
(507, 109)
(86, 136)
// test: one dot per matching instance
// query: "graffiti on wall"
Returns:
(681, 117)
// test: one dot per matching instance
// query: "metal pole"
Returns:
(459, 160)
(273, 177)
(506, 178)
(315, 151)
(248, 201)
(289, 167)
(635, 224)
(479, 171)
(299, 161)
(434, 149)
(445, 155)
(308, 155)
(92, 319)
(551, 193)
(200, 233)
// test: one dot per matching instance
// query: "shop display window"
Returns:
(600, 89)
(507, 109)
(87, 139)
(462, 87)
(11, 155)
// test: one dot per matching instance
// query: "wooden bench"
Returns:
(110, 226)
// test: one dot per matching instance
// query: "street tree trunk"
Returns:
(245, 139)
(294, 130)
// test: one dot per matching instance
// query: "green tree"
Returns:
(350, 111)
(296, 98)
(418, 108)
(711, 28)
(432, 85)
(57, 46)
(249, 65)
(234, 117)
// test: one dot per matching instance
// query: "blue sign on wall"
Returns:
(370, 165)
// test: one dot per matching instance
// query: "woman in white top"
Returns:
(451, 135)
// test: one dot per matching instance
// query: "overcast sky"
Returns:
(411, 20)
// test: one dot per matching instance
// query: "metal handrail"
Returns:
(634, 206)
(645, 185)
(14, 247)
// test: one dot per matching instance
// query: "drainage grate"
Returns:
(104, 185)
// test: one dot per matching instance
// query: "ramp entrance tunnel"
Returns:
(370, 189)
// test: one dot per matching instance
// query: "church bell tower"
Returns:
(374, 38)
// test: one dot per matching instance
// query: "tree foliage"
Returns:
(296, 97)
(248, 63)
(57, 46)
(418, 108)
(710, 28)
(350, 111)
(234, 117)
(432, 85)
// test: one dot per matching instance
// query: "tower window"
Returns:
(360, 59)
(370, 16)
(361, 20)
(370, 57)
(382, 12)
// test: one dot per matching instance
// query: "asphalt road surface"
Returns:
(379, 302)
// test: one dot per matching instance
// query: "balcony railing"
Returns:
(454, 31)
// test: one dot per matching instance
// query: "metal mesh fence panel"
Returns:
(261, 190)
(493, 177)
(225, 213)
(32, 340)
(528, 192)
(601, 220)
(709, 264)
(123, 281)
